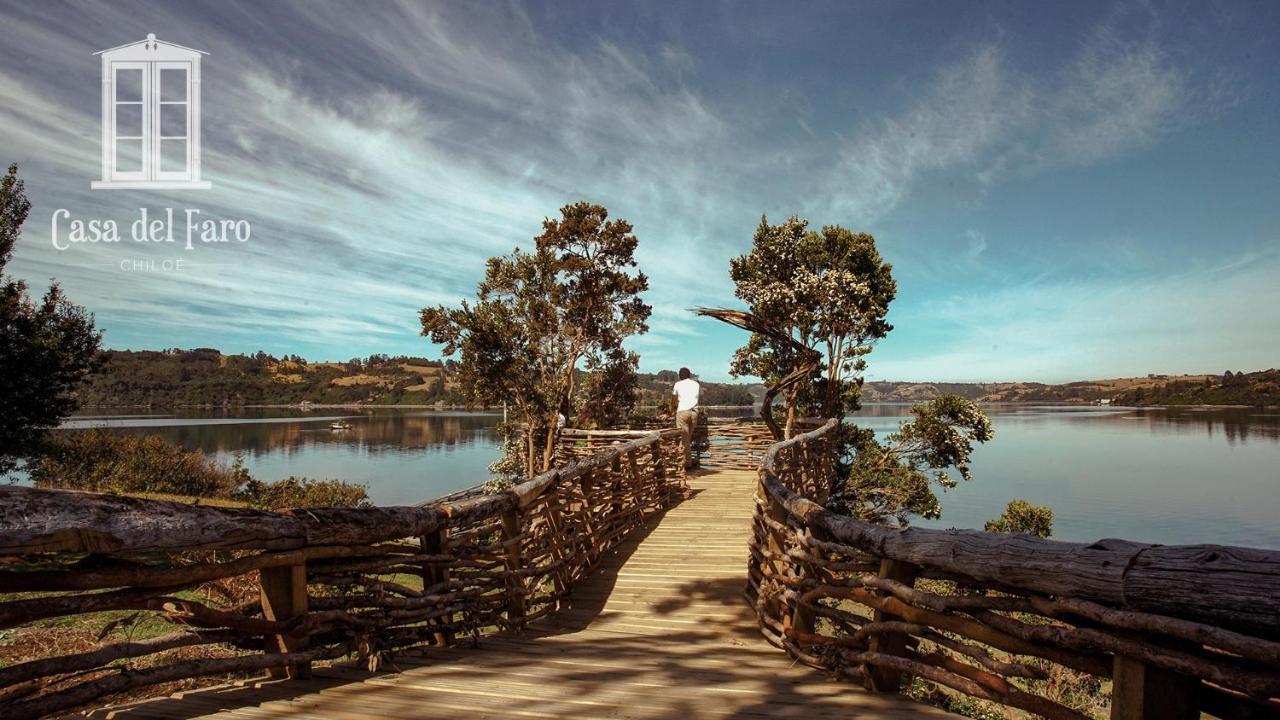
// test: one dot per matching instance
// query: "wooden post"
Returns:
(284, 596)
(802, 616)
(514, 562)
(776, 546)
(590, 550)
(616, 492)
(1140, 691)
(555, 527)
(878, 678)
(637, 484)
(665, 488)
(436, 544)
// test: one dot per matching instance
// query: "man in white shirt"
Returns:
(686, 393)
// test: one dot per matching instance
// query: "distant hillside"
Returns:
(1231, 388)
(1080, 391)
(655, 389)
(207, 377)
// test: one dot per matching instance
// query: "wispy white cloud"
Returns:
(383, 189)
(958, 119)
(383, 155)
(977, 242)
(982, 120)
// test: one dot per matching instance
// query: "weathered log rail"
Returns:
(1176, 629)
(313, 584)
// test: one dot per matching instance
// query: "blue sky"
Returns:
(1066, 190)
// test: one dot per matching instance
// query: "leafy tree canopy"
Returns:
(892, 478)
(818, 303)
(822, 292)
(537, 315)
(1021, 516)
(46, 346)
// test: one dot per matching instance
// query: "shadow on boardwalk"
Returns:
(660, 630)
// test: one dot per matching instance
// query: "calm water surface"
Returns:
(1168, 476)
(402, 456)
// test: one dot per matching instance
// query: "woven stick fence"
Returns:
(719, 443)
(1176, 629)
(325, 583)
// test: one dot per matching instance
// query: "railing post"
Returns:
(660, 472)
(882, 679)
(590, 538)
(775, 545)
(1140, 691)
(284, 596)
(515, 582)
(637, 484)
(617, 505)
(558, 554)
(802, 615)
(436, 543)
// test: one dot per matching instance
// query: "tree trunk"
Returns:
(529, 451)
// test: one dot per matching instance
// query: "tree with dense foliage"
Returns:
(610, 390)
(892, 478)
(539, 315)
(821, 292)
(1021, 516)
(47, 346)
(817, 305)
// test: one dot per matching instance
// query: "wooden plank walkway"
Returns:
(660, 631)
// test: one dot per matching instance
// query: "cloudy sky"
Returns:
(1066, 190)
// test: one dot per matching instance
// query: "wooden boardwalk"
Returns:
(661, 630)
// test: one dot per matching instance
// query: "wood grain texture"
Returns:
(659, 630)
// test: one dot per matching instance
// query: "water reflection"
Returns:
(1169, 476)
(371, 432)
(402, 456)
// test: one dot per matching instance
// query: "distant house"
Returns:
(1104, 401)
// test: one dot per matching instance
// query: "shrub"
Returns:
(295, 492)
(1022, 516)
(100, 461)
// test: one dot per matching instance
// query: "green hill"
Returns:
(655, 389)
(206, 377)
(1232, 388)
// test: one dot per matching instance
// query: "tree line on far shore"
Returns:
(1254, 389)
(206, 377)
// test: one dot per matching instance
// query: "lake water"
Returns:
(1167, 476)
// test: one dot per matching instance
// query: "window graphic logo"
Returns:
(151, 117)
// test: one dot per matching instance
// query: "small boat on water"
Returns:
(340, 425)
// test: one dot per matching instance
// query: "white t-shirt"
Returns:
(687, 390)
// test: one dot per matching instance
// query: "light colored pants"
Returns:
(686, 421)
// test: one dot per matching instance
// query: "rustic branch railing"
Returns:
(1177, 629)
(721, 443)
(278, 591)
